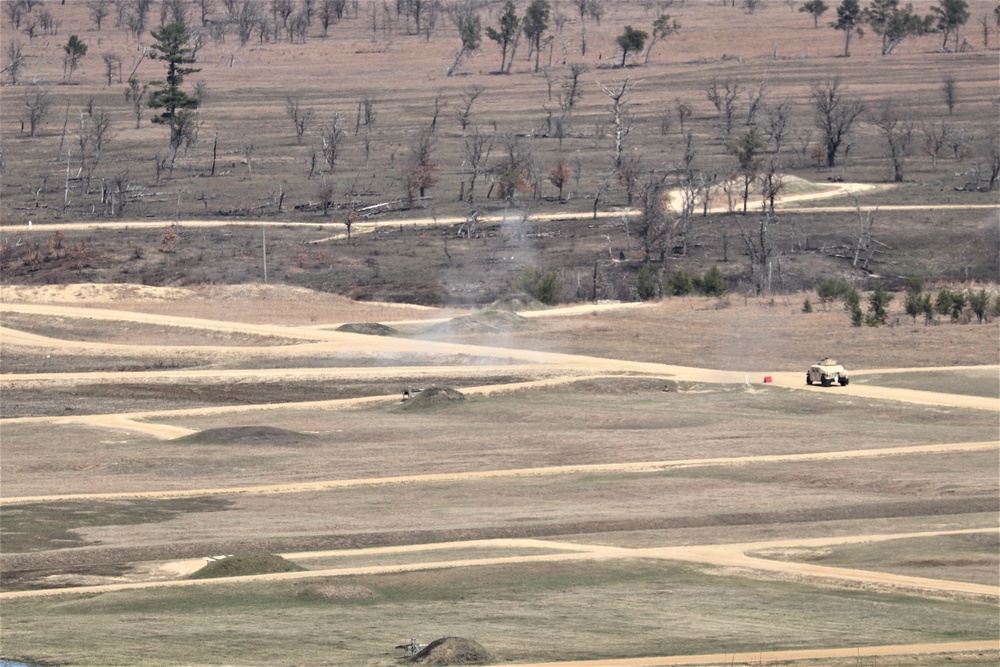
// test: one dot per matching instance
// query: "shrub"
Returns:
(958, 302)
(943, 301)
(807, 306)
(831, 290)
(979, 302)
(647, 283)
(878, 304)
(680, 283)
(542, 286)
(714, 283)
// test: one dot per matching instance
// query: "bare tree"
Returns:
(756, 102)
(772, 181)
(15, 12)
(777, 123)
(112, 64)
(513, 173)
(935, 139)
(993, 161)
(15, 61)
(560, 174)
(723, 95)
(205, 9)
(464, 111)
(683, 110)
(137, 16)
(587, 8)
(38, 101)
(898, 133)
(247, 15)
(366, 118)
(760, 248)
(421, 171)
(98, 10)
(478, 147)
(136, 93)
(949, 88)
(863, 242)
(619, 115)
(325, 192)
(332, 136)
(300, 116)
(835, 115)
(652, 226)
(571, 91)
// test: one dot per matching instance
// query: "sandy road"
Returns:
(849, 655)
(716, 555)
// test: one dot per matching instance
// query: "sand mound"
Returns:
(76, 293)
(368, 328)
(454, 651)
(245, 435)
(433, 398)
(484, 321)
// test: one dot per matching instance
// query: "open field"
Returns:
(652, 527)
(616, 483)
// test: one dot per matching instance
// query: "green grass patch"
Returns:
(965, 382)
(246, 435)
(45, 526)
(973, 557)
(520, 612)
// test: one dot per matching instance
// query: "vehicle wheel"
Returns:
(844, 381)
(809, 379)
(827, 382)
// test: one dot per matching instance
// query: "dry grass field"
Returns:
(618, 486)
(602, 517)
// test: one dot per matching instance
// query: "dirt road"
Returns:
(786, 202)
(781, 657)
(315, 340)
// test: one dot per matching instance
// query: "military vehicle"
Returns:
(826, 372)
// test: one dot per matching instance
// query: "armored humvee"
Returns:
(826, 372)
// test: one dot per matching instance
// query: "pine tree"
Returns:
(178, 107)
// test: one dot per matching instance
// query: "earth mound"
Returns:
(245, 435)
(368, 328)
(482, 322)
(246, 564)
(453, 651)
(433, 397)
(516, 302)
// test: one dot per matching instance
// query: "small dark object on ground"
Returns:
(432, 397)
(454, 651)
